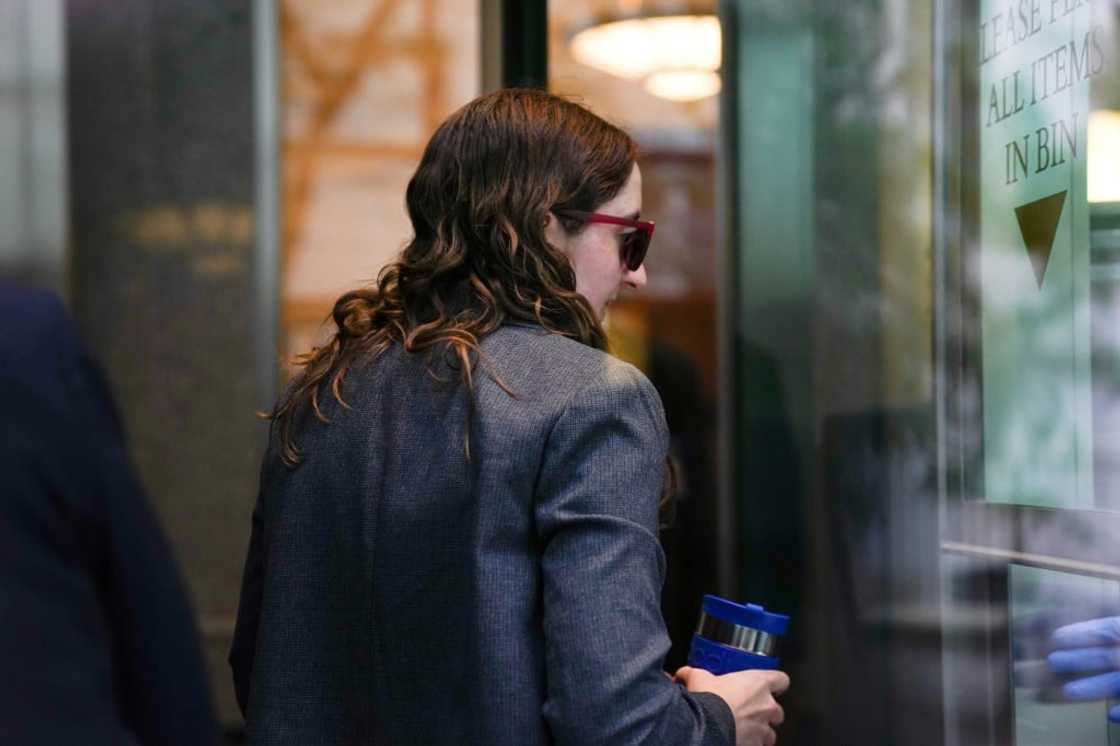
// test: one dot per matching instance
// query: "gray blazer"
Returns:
(397, 592)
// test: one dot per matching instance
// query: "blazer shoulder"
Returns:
(563, 368)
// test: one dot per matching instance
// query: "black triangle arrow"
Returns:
(1038, 222)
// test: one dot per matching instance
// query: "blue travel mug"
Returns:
(736, 637)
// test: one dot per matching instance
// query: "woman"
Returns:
(455, 540)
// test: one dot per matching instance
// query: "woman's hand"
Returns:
(749, 694)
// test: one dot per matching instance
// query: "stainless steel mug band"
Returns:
(747, 639)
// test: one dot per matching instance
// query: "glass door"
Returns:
(827, 291)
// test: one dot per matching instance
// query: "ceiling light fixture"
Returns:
(676, 56)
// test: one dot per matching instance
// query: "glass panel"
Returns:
(830, 306)
(366, 82)
(669, 329)
(899, 169)
(1026, 231)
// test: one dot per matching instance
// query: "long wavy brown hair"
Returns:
(478, 203)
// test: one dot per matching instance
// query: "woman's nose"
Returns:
(635, 278)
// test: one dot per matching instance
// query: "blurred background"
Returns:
(887, 348)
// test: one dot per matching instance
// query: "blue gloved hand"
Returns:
(1090, 647)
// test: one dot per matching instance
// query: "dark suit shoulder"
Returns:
(30, 318)
(46, 366)
(40, 348)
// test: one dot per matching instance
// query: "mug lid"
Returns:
(745, 615)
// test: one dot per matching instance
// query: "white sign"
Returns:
(1037, 58)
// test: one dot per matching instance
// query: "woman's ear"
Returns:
(554, 232)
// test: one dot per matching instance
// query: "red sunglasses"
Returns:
(634, 244)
